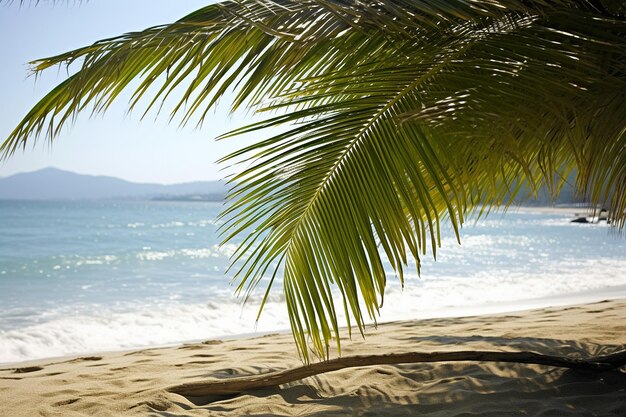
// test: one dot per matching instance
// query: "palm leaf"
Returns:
(395, 116)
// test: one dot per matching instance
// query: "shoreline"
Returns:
(588, 297)
(133, 382)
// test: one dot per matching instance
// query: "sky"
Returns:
(116, 143)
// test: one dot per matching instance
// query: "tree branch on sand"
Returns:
(239, 385)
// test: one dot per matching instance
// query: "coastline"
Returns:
(493, 308)
(133, 382)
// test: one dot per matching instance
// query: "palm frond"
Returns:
(396, 116)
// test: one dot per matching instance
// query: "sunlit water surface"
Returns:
(79, 277)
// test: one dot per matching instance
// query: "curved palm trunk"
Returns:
(272, 379)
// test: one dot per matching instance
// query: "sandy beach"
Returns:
(135, 383)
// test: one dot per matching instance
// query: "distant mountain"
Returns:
(56, 184)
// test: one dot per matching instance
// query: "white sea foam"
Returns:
(173, 224)
(214, 251)
(168, 225)
(205, 223)
(98, 260)
(505, 291)
(84, 332)
(101, 328)
(155, 255)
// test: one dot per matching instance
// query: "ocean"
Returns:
(78, 277)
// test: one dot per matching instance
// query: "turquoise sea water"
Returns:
(78, 277)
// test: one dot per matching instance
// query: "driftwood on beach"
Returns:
(272, 379)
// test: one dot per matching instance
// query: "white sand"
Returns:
(133, 383)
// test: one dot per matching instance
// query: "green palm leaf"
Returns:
(395, 116)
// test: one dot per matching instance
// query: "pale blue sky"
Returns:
(115, 143)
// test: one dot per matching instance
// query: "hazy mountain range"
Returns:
(56, 184)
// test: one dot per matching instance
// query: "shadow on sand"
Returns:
(443, 389)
